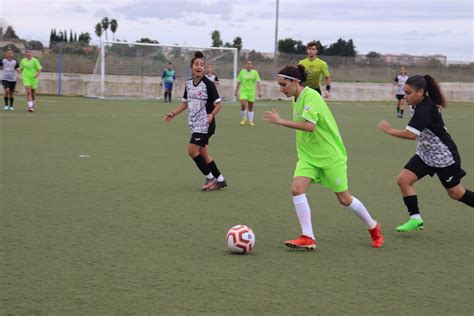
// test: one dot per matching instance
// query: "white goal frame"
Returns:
(105, 43)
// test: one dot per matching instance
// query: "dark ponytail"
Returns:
(298, 73)
(197, 55)
(430, 87)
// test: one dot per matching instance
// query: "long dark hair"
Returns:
(197, 55)
(298, 73)
(429, 86)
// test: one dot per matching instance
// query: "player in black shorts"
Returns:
(436, 152)
(10, 68)
(203, 104)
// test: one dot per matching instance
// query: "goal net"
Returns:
(134, 70)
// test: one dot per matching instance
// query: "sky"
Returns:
(419, 28)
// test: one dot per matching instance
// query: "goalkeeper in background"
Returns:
(167, 79)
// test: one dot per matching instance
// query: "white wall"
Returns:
(82, 85)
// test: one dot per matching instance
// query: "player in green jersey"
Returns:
(30, 70)
(315, 69)
(322, 157)
(246, 81)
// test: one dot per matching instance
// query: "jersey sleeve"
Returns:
(325, 70)
(311, 110)
(17, 65)
(239, 77)
(396, 79)
(212, 94)
(185, 95)
(38, 65)
(174, 75)
(216, 78)
(420, 120)
(257, 76)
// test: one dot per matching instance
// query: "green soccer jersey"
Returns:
(30, 67)
(314, 71)
(248, 79)
(322, 148)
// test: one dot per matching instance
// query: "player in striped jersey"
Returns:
(436, 151)
(10, 68)
(203, 103)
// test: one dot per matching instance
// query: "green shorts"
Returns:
(334, 178)
(30, 82)
(247, 95)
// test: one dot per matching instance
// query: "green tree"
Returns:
(85, 38)
(147, 40)
(237, 43)
(113, 28)
(291, 46)
(98, 32)
(373, 55)
(35, 45)
(341, 48)
(10, 33)
(216, 39)
(71, 38)
(227, 45)
(105, 25)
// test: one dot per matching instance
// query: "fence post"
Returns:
(60, 68)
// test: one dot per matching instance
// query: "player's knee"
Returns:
(297, 189)
(345, 201)
(402, 181)
(455, 195)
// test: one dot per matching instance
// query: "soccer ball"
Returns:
(240, 239)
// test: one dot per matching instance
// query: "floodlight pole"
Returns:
(275, 56)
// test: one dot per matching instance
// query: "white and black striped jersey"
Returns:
(435, 146)
(201, 99)
(401, 82)
(213, 77)
(9, 69)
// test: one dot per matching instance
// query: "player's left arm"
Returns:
(327, 79)
(405, 134)
(38, 68)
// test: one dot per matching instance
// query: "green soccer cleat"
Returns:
(412, 224)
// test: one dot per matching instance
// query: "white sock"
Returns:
(359, 209)
(220, 178)
(416, 216)
(251, 116)
(210, 176)
(30, 104)
(244, 114)
(304, 214)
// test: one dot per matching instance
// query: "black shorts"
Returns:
(9, 85)
(399, 96)
(200, 139)
(449, 176)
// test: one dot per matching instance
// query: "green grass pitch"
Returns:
(101, 213)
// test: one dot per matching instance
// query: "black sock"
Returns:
(166, 95)
(398, 109)
(468, 198)
(6, 100)
(202, 165)
(412, 204)
(11, 101)
(169, 96)
(401, 111)
(213, 167)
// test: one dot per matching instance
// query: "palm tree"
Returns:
(98, 32)
(105, 26)
(113, 28)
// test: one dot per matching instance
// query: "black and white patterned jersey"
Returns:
(213, 77)
(9, 69)
(201, 99)
(435, 146)
(401, 83)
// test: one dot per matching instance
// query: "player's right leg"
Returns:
(243, 108)
(412, 172)
(303, 177)
(6, 96)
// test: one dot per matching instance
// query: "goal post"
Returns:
(134, 70)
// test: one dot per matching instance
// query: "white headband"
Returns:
(288, 77)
